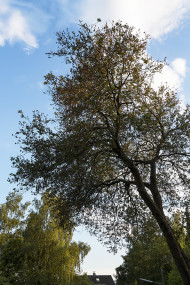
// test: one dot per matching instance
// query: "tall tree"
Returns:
(120, 149)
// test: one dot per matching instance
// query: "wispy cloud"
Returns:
(23, 21)
(173, 74)
(14, 26)
(158, 17)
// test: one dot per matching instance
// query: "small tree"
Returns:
(119, 150)
(43, 252)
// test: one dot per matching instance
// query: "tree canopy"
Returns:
(117, 149)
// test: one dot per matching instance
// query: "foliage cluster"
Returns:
(34, 249)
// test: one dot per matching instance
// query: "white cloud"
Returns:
(157, 17)
(173, 75)
(179, 66)
(22, 20)
(14, 26)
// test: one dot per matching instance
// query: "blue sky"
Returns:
(27, 32)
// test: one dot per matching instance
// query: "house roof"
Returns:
(101, 279)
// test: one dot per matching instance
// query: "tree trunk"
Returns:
(181, 260)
